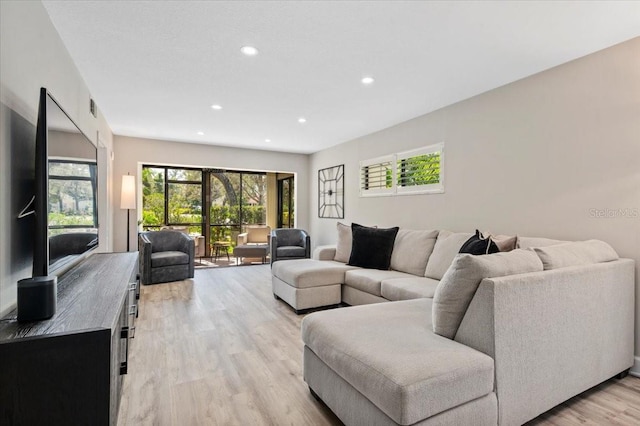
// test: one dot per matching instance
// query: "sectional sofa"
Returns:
(461, 339)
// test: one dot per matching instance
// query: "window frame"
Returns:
(434, 188)
(394, 160)
(363, 176)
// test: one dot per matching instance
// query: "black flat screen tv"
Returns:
(65, 204)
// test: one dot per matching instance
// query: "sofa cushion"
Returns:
(168, 258)
(447, 247)
(372, 247)
(408, 288)
(575, 253)
(460, 282)
(343, 248)
(389, 353)
(411, 250)
(531, 242)
(505, 242)
(369, 280)
(304, 273)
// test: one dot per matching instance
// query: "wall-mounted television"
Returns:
(66, 188)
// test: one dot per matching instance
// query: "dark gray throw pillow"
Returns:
(478, 245)
(372, 247)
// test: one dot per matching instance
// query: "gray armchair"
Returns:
(165, 256)
(290, 243)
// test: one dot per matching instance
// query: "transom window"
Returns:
(419, 171)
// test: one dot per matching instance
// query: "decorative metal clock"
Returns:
(331, 192)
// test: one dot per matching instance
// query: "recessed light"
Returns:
(200, 133)
(302, 120)
(367, 80)
(267, 140)
(249, 50)
(216, 107)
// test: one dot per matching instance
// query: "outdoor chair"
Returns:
(253, 243)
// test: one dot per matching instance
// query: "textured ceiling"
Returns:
(155, 68)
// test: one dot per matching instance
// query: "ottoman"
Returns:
(251, 250)
(307, 283)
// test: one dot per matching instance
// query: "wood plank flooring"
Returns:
(220, 350)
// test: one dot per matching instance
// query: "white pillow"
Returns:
(575, 253)
(447, 247)
(345, 239)
(411, 250)
(460, 282)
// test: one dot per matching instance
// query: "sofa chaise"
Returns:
(526, 340)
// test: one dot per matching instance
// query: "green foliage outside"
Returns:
(184, 201)
(419, 170)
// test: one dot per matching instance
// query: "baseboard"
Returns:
(635, 370)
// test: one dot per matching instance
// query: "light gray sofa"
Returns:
(525, 342)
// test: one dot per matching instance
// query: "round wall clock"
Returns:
(331, 192)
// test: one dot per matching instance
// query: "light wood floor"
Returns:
(221, 350)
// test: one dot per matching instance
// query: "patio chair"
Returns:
(254, 242)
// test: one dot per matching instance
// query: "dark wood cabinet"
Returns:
(69, 369)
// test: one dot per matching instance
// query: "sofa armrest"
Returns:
(324, 252)
(243, 238)
(144, 259)
(552, 334)
(191, 251)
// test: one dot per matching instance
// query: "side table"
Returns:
(220, 248)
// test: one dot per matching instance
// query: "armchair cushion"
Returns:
(290, 251)
(166, 258)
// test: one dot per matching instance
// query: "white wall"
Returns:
(32, 56)
(131, 153)
(532, 158)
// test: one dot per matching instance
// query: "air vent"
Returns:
(92, 108)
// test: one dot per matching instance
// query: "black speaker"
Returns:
(37, 298)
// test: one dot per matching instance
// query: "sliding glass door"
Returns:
(214, 203)
(286, 217)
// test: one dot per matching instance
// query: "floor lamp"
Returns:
(128, 198)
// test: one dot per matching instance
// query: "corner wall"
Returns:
(131, 153)
(32, 56)
(556, 155)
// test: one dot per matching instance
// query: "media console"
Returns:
(68, 369)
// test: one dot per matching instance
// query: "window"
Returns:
(419, 171)
(214, 203)
(377, 176)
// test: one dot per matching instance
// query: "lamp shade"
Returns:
(128, 194)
